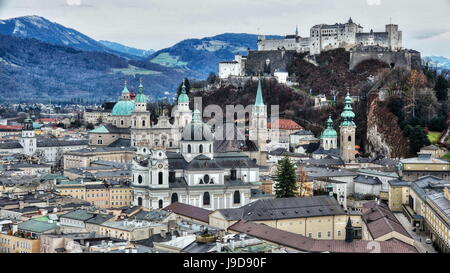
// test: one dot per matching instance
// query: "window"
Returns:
(160, 204)
(139, 201)
(140, 179)
(143, 123)
(189, 150)
(319, 235)
(171, 176)
(174, 197)
(349, 138)
(233, 175)
(206, 199)
(160, 178)
(206, 179)
(200, 148)
(237, 197)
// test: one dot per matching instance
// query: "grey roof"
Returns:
(79, 214)
(441, 202)
(369, 180)
(317, 172)
(10, 145)
(428, 185)
(100, 219)
(202, 162)
(121, 142)
(399, 183)
(60, 143)
(327, 161)
(303, 133)
(285, 208)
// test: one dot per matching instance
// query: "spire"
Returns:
(349, 231)
(183, 97)
(259, 97)
(348, 115)
(196, 116)
(350, 21)
(296, 31)
(329, 122)
(141, 98)
(125, 89)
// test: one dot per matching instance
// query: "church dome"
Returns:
(183, 97)
(123, 108)
(196, 130)
(329, 132)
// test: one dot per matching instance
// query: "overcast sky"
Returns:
(156, 24)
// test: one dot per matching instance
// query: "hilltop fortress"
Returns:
(273, 55)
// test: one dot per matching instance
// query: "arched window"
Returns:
(160, 178)
(140, 179)
(206, 179)
(160, 204)
(233, 174)
(206, 199)
(174, 197)
(210, 148)
(349, 138)
(139, 201)
(143, 123)
(236, 197)
(200, 148)
(121, 122)
(189, 148)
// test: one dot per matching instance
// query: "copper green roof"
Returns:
(36, 226)
(348, 115)
(140, 97)
(100, 129)
(123, 108)
(125, 89)
(259, 98)
(329, 132)
(183, 97)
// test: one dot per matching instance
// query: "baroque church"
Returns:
(195, 173)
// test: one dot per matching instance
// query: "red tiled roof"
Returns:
(305, 244)
(189, 211)
(285, 124)
(10, 127)
(380, 220)
(49, 120)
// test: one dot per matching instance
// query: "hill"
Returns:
(36, 71)
(53, 33)
(203, 55)
(140, 53)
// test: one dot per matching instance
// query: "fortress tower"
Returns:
(347, 131)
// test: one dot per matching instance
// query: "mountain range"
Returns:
(440, 63)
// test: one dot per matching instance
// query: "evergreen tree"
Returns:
(441, 88)
(417, 139)
(286, 185)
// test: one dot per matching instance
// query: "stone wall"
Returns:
(256, 63)
(408, 59)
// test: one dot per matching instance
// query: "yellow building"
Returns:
(423, 165)
(73, 188)
(15, 244)
(425, 202)
(318, 217)
(120, 196)
(131, 230)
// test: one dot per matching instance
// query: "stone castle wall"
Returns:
(266, 62)
(408, 59)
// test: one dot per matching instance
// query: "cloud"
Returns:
(429, 35)
(373, 2)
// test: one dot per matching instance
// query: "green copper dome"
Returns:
(123, 108)
(183, 97)
(141, 98)
(347, 115)
(329, 132)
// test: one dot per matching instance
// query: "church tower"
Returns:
(182, 113)
(140, 119)
(347, 131)
(258, 123)
(28, 139)
(328, 139)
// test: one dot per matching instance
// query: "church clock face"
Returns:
(160, 166)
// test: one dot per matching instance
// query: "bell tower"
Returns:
(28, 140)
(347, 131)
(258, 123)
(140, 118)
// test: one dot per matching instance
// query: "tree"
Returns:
(417, 139)
(286, 184)
(441, 88)
(90, 126)
(303, 185)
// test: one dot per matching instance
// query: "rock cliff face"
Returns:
(384, 136)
